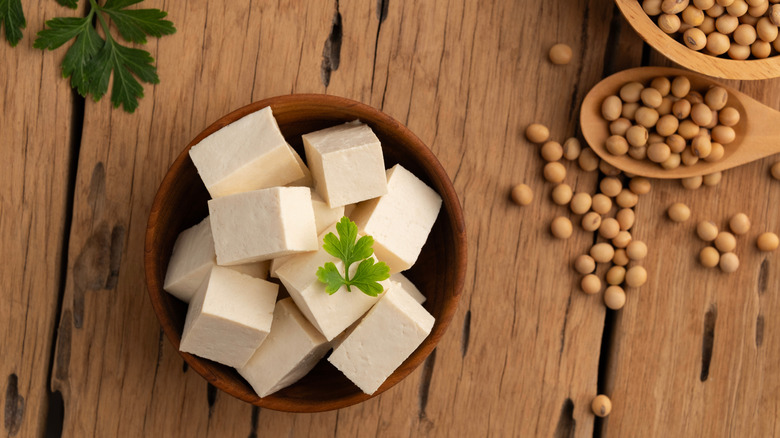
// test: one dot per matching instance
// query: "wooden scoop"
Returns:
(757, 133)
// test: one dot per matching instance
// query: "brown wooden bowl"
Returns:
(699, 62)
(439, 273)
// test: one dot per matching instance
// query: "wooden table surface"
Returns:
(694, 352)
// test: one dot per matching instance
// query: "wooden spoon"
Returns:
(757, 133)
(725, 68)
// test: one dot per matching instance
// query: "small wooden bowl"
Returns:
(439, 272)
(699, 62)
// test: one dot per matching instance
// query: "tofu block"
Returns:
(324, 216)
(248, 154)
(229, 317)
(262, 224)
(192, 259)
(408, 287)
(306, 180)
(276, 263)
(401, 220)
(290, 351)
(330, 314)
(346, 163)
(382, 340)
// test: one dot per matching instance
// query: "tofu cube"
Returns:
(229, 317)
(346, 163)
(193, 257)
(324, 216)
(306, 180)
(330, 314)
(382, 340)
(408, 287)
(290, 351)
(401, 220)
(262, 224)
(248, 154)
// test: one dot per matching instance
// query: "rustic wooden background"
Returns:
(694, 353)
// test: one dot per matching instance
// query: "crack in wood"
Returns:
(254, 420)
(211, 396)
(763, 277)
(62, 360)
(331, 53)
(708, 340)
(759, 330)
(14, 406)
(425, 383)
(381, 10)
(115, 255)
(566, 423)
(464, 343)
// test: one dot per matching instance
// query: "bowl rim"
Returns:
(450, 202)
(676, 51)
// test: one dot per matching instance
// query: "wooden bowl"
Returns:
(691, 59)
(181, 202)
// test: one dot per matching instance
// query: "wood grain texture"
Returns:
(523, 340)
(692, 351)
(35, 133)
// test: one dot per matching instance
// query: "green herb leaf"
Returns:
(368, 274)
(73, 4)
(331, 276)
(135, 24)
(91, 60)
(12, 17)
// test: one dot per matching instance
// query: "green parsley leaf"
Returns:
(73, 4)
(12, 17)
(331, 276)
(367, 275)
(135, 24)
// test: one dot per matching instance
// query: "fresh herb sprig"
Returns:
(92, 58)
(367, 275)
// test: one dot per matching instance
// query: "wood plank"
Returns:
(36, 106)
(695, 351)
(522, 353)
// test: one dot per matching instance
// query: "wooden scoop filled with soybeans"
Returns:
(661, 122)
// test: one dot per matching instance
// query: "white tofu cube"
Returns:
(193, 257)
(408, 287)
(330, 314)
(324, 216)
(248, 154)
(306, 180)
(382, 340)
(262, 224)
(401, 220)
(191, 261)
(346, 163)
(290, 351)
(276, 263)
(229, 317)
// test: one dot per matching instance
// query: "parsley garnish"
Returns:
(91, 59)
(367, 275)
(12, 17)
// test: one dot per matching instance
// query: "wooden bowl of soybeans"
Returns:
(730, 39)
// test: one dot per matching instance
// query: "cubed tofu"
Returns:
(306, 180)
(408, 286)
(346, 163)
(193, 257)
(324, 215)
(229, 317)
(248, 154)
(401, 220)
(330, 314)
(262, 224)
(290, 351)
(382, 340)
